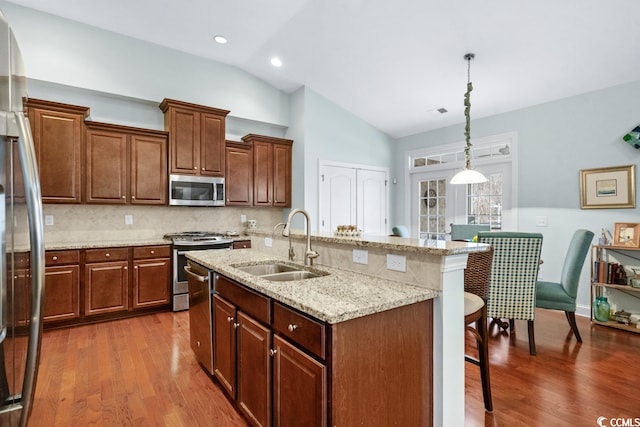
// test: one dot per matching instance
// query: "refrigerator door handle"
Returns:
(3, 255)
(33, 197)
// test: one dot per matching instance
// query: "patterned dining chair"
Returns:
(476, 289)
(514, 272)
(562, 295)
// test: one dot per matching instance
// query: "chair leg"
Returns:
(571, 317)
(512, 325)
(532, 338)
(483, 356)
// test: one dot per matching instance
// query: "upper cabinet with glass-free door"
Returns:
(58, 138)
(196, 138)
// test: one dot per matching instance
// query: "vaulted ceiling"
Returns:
(395, 63)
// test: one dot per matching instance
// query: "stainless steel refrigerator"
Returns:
(21, 241)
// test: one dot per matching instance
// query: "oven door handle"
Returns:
(198, 277)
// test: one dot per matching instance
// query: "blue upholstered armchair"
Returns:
(514, 273)
(562, 295)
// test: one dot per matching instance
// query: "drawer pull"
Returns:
(292, 327)
(107, 254)
(55, 258)
(153, 252)
(272, 352)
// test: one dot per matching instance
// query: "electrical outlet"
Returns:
(268, 242)
(541, 221)
(397, 262)
(48, 220)
(360, 256)
(128, 219)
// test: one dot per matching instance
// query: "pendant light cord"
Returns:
(467, 109)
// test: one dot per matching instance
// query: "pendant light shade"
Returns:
(468, 175)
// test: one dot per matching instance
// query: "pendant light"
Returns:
(468, 175)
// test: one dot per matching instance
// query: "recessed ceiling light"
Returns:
(276, 62)
(220, 39)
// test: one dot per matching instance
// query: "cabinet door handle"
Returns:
(135, 267)
(272, 352)
(235, 325)
(124, 197)
(292, 327)
(230, 319)
(133, 197)
(126, 268)
(202, 168)
(195, 168)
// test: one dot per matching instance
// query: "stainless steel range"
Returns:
(182, 243)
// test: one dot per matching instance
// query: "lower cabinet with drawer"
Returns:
(88, 285)
(151, 276)
(106, 281)
(272, 381)
(284, 367)
(62, 286)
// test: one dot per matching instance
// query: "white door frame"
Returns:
(479, 144)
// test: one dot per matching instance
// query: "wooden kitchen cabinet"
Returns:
(224, 344)
(299, 380)
(58, 138)
(239, 174)
(125, 165)
(242, 348)
(61, 285)
(196, 138)
(299, 386)
(271, 170)
(151, 276)
(316, 369)
(106, 281)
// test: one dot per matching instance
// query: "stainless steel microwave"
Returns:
(187, 190)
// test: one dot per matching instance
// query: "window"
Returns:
(484, 202)
(432, 224)
(435, 204)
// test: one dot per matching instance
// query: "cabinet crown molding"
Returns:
(55, 106)
(167, 102)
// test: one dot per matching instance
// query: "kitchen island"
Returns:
(430, 310)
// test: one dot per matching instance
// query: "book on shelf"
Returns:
(609, 273)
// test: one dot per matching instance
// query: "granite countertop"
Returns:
(394, 243)
(104, 243)
(336, 297)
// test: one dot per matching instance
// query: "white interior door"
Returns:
(353, 195)
(372, 201)
(337, 197)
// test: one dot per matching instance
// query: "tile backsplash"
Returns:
(73, 223)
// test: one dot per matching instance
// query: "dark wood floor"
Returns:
(565, 384)
(142, 372)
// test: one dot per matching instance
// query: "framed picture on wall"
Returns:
(626, 234)
(607, 188)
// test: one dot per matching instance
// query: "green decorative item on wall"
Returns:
(633, 138)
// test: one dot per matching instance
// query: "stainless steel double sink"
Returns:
(279, 272)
